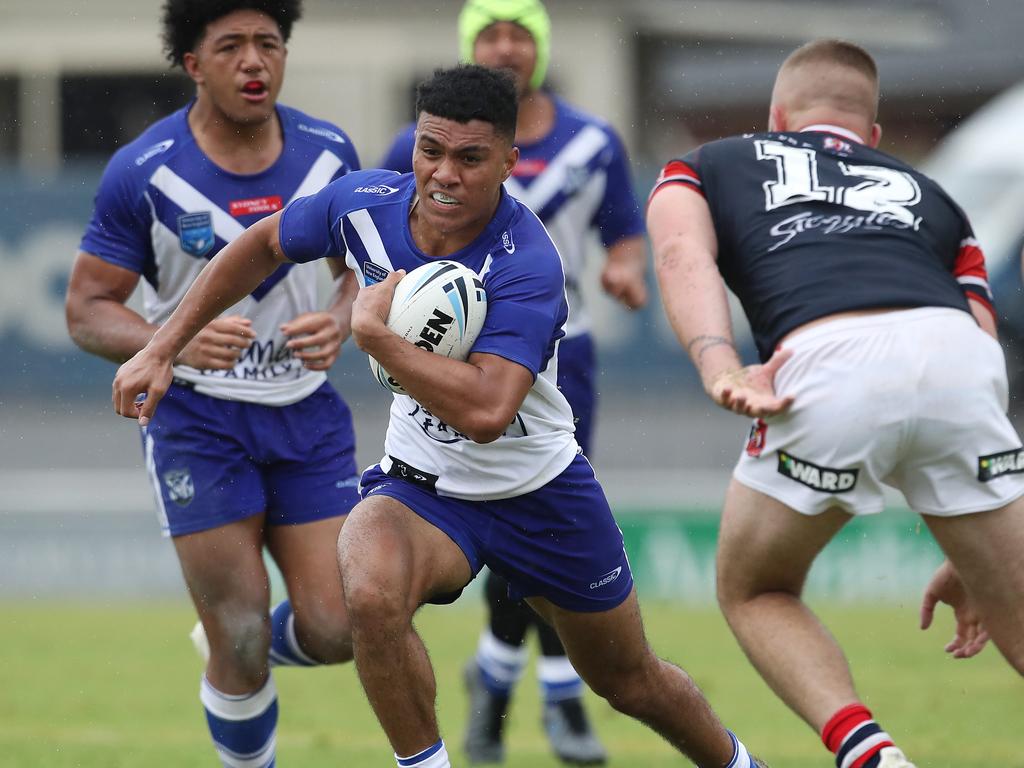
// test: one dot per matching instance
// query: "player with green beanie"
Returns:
(531, 15)
(574, 174)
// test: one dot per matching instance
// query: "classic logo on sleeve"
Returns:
(377, 189)
(817, 478)
(998, 464)
(195, 233)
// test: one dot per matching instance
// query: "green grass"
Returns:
(116, 685)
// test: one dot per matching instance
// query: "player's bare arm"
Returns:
(100, 323)
(316, 337)
(230, 276)
(693, 293)
(625, 272)
(479, 397)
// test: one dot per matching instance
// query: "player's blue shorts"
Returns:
(576, 380)
(559, 542)
(214, 462)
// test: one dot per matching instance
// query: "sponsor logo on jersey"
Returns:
(180, 488)
(532, 166)
(351, 482)
(374, 273)
(411, 474)
(379, 189)
(255, 205)
(153, 151)
(195, 233)
(998, 464)
(818, 478)
(508, 243)
(324, 133)
(840, 224)
(262, 360)
(608, 578)
(755, 441)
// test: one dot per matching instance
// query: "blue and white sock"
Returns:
(558, 679)
(501, 665)
(284, 645)
(435, 756)
(243, 727)
(740, 757)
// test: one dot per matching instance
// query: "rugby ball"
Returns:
(440, 307)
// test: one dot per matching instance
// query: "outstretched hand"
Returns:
(139, 385)
(946, 587)
(750, 391)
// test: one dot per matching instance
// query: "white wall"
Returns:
(349, 62)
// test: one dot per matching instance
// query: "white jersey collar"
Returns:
(827, 128)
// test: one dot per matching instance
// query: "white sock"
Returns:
(435, 756)
(501, 664)
(740, 756)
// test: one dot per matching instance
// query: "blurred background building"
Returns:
(78, 79)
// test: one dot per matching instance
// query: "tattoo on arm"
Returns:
(705, 343)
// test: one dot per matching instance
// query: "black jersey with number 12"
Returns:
(814, 223)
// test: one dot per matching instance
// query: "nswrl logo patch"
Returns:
(180, 488)
(195, 233)
(998, 464)
(818, 478)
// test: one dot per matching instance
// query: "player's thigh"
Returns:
(764, 545)
(224, 569)
(605, 647)
(307, 555)
(388, 550)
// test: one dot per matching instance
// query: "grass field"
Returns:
(116, 686)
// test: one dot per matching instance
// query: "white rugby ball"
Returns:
(440, 307)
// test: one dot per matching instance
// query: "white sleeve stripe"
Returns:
(680, 177)
(969, 242)
(969, 280)
(370, 237)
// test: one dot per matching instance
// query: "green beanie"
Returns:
(477, 15)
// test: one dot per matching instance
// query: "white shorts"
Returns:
(915, 399)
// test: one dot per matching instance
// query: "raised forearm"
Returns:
(698, 309)
(231, 276)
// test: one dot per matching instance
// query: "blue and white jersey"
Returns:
(163, 209)
(365, 218)
(577, 180)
